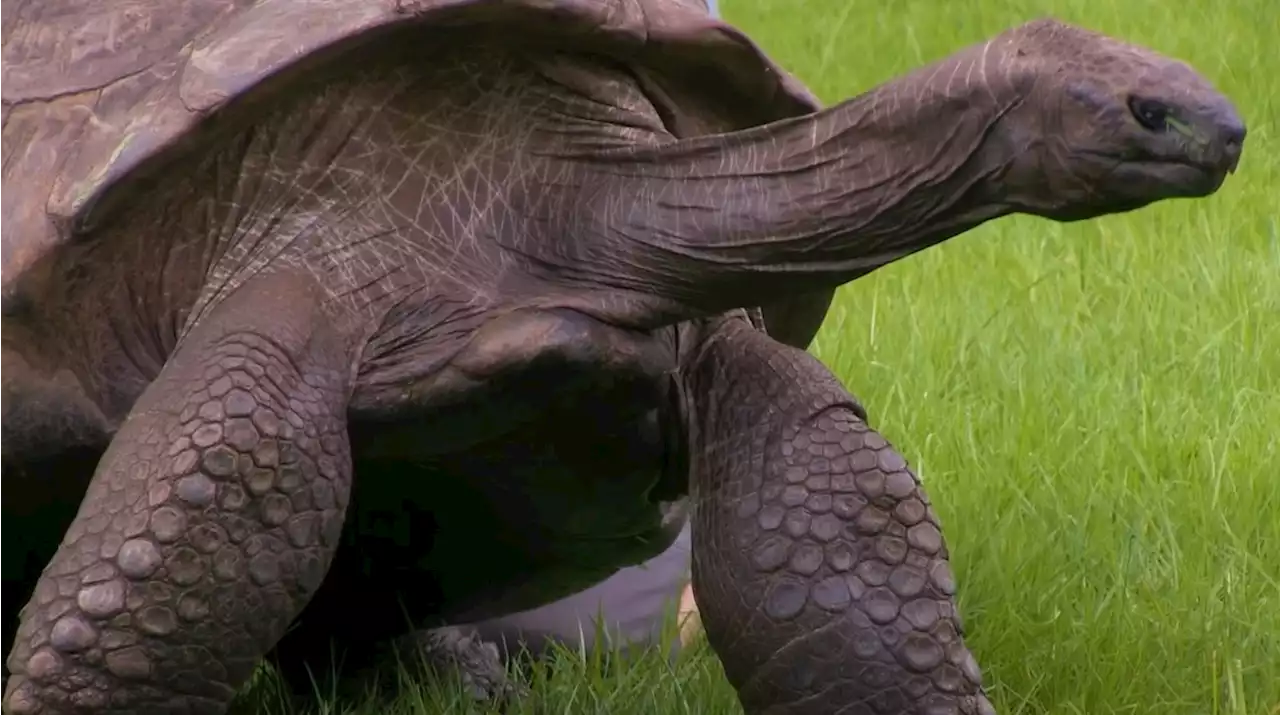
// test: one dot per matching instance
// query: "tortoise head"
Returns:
(1106, 126)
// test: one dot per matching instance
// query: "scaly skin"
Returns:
(208, 524)
(428, 223)
(818, 564)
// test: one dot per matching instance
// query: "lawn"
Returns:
(1093, 407)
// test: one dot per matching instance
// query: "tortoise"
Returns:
(536, 270)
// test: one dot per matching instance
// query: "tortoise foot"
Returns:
(459, 652)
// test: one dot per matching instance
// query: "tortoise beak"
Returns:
(1220, 133)
(1226, 138)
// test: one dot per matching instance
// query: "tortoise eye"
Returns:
(1150, 114)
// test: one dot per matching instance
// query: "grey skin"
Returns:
(248, 257)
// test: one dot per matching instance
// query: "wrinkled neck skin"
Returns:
(695, 227)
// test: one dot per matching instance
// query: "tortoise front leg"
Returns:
(818, 565)
(208, 524)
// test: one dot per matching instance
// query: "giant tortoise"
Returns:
(532, 269)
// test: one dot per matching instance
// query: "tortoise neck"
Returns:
(812, 201)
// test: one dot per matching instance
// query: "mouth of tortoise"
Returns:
(1189, 178)
(1173, 176)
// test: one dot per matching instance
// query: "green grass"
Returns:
(1093, 407)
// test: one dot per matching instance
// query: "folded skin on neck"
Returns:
(1039, 120)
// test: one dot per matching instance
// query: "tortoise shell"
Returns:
(99, 95)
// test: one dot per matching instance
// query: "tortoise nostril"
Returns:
(1230, 135)
(1151, 114)
(1233, 134)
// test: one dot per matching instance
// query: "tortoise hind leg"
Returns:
(208, 524)
(457, 653)
(448, 652)
(818, 566)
